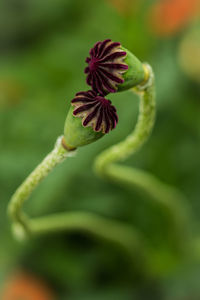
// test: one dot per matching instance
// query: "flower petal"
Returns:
(95, 111)
(105, 67)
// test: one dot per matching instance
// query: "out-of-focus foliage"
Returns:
(43, 45)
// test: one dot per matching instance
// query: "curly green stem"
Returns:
(141, 132)
(24, 191)
(113, 231)
(168, 198)
(124, 236)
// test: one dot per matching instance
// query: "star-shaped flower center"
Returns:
(95, 111)
(105, 67)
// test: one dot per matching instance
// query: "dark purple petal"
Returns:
(83, 108)
(103, 44)
(95, 110)
(91, 52)
(82, 99)
(112, 120)
(87, 70)
(94, 83)
(91, 116)
(107, 122)
(89, 79)
(114, 66)
(92, 94)
(113, 56)
(111, 76)
(99, 119)
(96, 48)
(99, 84)
(105, 67)
(114, 116)
(112, 109)
(106, 83)
(86, 94)
(109, 48)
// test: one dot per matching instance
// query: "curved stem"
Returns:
(124, 236)
(166, 197)
(55, 157)
(169, 199)
(141, 132)
(110, 230)
(115, 232)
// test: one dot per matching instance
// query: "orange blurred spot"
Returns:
(169, 16)
(125, 7)
(24, 286)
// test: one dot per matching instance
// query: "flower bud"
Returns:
(112, 68)
(90, 117)
(135, 74)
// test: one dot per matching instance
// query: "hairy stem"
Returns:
(24, 191)
(124, 236)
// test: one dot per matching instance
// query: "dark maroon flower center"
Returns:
(93, 64)
(104, 102)
(105, 67)
(95, 111)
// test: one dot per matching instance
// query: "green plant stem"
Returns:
(170, 201)
(168, 198)
(55, 157)
(115, 232)
(124, 236)
(141, 132)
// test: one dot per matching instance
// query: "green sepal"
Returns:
(75, 134)
(135, 73)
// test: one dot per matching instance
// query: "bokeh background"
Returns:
(43, 46)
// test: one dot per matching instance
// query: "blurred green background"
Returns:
(43, 46)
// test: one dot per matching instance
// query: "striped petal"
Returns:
(105, 67)
(95, 111)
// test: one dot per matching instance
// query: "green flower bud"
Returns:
(75, 135)
(90, 117)
(136, 73)
(112, 68)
